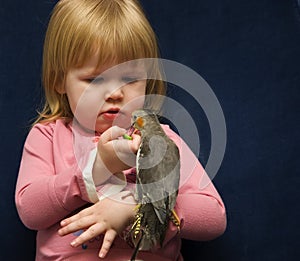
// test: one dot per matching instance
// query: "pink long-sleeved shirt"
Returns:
(53, 183)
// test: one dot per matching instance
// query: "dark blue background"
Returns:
(249, 53)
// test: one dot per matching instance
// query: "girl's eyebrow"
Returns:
(139, 73)
(95, 72)
(136, 74)
(135, 69)
(90, 73)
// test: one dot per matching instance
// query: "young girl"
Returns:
(72, 185)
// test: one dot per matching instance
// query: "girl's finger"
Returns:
(109, 238)
(83, 213)
(112, 134)
(127, 146)
(136, 141)
(75, 225)
(90, 233)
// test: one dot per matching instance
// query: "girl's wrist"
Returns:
(127, 198)
(100, 172)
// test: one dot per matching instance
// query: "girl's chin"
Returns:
(121, 121)
(102, 125)
(102, 128)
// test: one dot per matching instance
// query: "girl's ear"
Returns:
(60, 88)
(60, 84)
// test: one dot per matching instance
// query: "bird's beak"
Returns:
(131, 129)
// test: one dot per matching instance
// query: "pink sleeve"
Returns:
(200, 208)
(47, 189)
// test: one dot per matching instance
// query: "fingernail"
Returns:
(73, 243)
(101, 255)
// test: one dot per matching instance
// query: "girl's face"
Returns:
(106, 96)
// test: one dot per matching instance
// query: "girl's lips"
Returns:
(110, 115)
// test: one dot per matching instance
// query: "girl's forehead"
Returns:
(95, 67)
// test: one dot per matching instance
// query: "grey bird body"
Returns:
(157, 182)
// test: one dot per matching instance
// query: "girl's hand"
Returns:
(108, 216)
(114, 154)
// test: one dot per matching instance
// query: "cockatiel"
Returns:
(157, 182)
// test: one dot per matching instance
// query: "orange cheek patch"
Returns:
(140, 122)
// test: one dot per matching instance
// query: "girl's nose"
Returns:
(114, 95)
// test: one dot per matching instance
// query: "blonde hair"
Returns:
(113, 29)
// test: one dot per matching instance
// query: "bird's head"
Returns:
(142, 119)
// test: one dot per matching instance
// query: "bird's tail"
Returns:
(136, 250)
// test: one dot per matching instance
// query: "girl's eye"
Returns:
(95, 81)
(130, 79)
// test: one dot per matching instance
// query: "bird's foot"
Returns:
(175, 219)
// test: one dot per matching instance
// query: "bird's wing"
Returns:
(158, 175)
